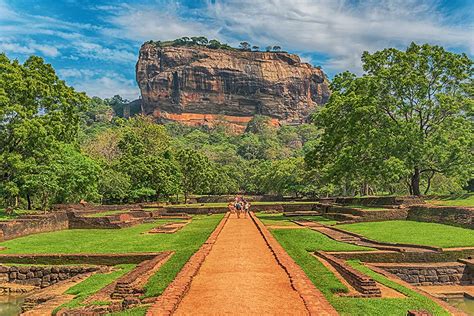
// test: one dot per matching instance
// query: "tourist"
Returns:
(231, 208)
(246, 208)
(238, 207)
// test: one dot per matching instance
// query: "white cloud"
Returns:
(100, 84)
(138, 22)
(108, 86)
(28, 48)
(340, 29)
(97, 51)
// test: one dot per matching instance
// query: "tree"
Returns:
(114, 186)
(38, 113)
(268, 48)
(196, 172)
(276, 48)
(408, 118)
(255, 48)
(214, 44)
(245, 46)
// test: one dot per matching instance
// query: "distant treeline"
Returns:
(213, 44)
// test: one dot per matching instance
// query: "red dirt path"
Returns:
(241, 276)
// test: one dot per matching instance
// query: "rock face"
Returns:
(198, 85)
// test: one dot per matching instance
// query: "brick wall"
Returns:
(33, 224)
(391, 256)
(380, 200)
(446, 273)
(362, 283)
(451, 215)
(39, 275)
(109, 259)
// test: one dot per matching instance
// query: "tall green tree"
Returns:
(196, 172)
(408, 117)
(38, 113)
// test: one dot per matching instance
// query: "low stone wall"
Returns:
(359, 215)
(362, 283)
(133, 283)
(451, 215)
(106, 222)
(379, 200)
(33, 224)
(41, 276)
(79, 258)
(95, 207)
(395, 256)
(295, 207)
(196, 210)
(229, 198)
(446, 273)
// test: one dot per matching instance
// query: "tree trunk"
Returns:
(429, 182)
(415, 182)
(28, 198)
(185, 197)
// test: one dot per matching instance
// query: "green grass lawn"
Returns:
(299, 243)
(455, 200)
(106, 213)
(280, 220)
(184, 242)
(418, 233)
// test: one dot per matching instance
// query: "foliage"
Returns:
(407, 119)
(196, 172)
(212, 44)
(39, 115)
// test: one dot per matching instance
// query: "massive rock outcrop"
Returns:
(198, 85)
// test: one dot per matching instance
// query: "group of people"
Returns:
(239, 206)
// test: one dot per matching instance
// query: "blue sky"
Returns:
(94, 45)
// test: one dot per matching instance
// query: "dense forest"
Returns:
(404, 127)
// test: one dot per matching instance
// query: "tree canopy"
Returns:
(408, 118)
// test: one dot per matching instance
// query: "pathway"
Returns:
(241, 276)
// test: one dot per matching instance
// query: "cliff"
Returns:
(197, 85)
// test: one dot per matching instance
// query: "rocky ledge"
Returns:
(199, 85)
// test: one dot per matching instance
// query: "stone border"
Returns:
(79, 258)
(384, 256)
(450, 309)
(362, 283)
(169, 300)
(314, 300)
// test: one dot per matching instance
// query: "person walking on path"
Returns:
(246, 208)
(238, 208)
(231, 208)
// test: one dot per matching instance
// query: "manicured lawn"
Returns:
(456, 200)
(185, 242)
(418, 233)
(299, 243)
(107, 213)
(280, 220)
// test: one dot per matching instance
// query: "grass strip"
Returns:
(417, 233)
